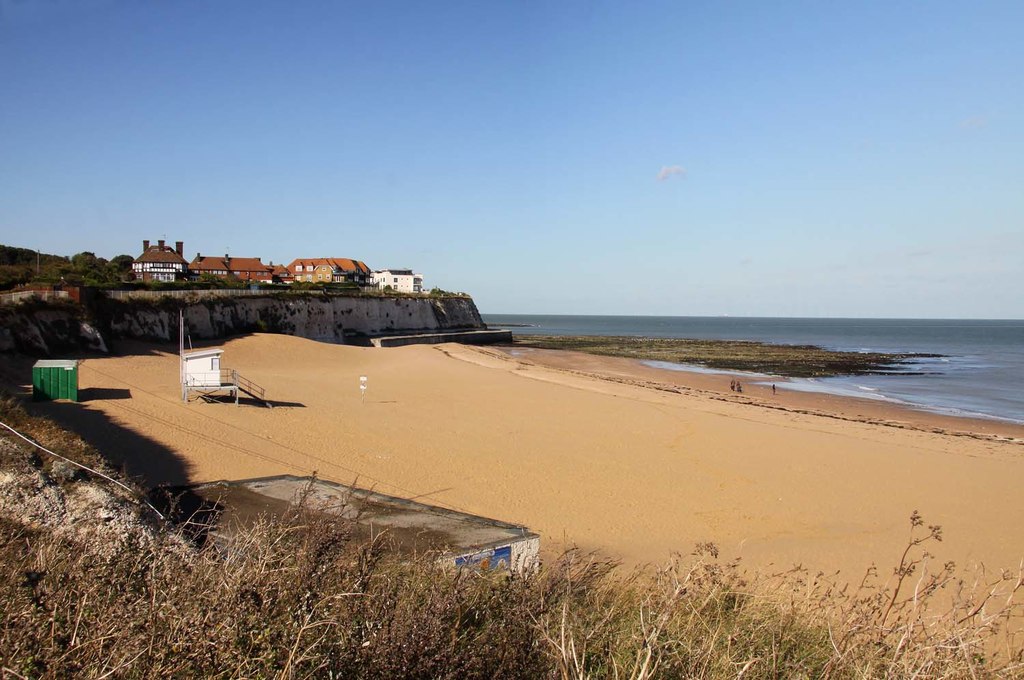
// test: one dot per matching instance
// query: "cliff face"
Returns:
(330, 319)
(41, 330)
(47, 330)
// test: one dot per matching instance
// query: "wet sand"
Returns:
(603, 453)
(716, 385)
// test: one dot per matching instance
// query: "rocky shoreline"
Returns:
(792, 361)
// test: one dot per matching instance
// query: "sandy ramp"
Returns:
(635, 472)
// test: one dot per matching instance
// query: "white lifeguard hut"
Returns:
(202, 373)
(200, 369)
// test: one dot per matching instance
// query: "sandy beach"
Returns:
(603, 453)
(757, 391)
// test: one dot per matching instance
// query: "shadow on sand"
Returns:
(249, 401)
(145, 460)
(148, 462)
(100, 393)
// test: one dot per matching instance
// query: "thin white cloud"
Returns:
(670, 170)
(974, 122)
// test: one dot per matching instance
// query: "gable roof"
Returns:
(232, 264)
(345, 264)
(163, 254)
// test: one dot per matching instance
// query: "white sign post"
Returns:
(362, 389)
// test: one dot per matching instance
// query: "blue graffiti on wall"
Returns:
(495, 558)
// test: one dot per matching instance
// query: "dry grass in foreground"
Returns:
(297, 597)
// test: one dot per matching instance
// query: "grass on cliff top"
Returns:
(298, 597)
(796, 361)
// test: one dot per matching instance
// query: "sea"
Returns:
(980, 372)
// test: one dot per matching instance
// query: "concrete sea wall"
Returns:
(471, 337)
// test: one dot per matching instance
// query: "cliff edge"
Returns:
(41, 329)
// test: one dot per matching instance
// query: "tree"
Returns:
(122, 263)
(85, 261)
(120, 268)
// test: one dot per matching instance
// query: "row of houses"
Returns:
(161, 262)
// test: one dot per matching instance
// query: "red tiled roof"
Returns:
(161, 254)
(345, 264)
(348, 265)
(233, 264)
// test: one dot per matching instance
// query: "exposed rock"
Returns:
(328, 318)
(49, 330)
(65, 473)
(92, 338)
(86, 512)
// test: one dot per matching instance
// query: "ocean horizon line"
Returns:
(739, 316)
(973, 365)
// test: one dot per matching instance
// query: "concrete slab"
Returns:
(410, 527)
(474, 337)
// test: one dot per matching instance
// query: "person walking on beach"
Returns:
(739, 388)
(732, 385)
(773, 389)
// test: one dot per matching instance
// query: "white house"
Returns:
(402, 280)
(160, 262)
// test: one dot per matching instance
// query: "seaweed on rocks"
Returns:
(794, 361)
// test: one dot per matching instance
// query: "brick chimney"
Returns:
(179, 247)
(160, 243)
(145, 245)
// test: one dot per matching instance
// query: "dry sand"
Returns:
(608, 464)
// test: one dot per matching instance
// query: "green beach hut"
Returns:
(55, 379)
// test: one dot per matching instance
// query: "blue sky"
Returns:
(746, 158)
